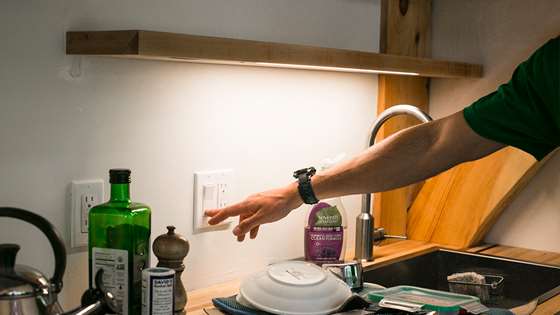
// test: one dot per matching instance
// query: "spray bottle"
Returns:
(325, 227)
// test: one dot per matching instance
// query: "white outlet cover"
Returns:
(212, 189)
(84, 194)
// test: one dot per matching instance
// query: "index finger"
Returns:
(219, 215)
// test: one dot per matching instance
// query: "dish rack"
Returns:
(488, 292)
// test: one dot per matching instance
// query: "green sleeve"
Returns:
(525, 112)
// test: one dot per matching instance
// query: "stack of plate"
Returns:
(294, 288)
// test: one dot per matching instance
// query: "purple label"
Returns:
(323, 244)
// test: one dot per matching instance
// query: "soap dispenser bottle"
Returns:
(325, 228)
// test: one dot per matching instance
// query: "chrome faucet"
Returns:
(365, 233)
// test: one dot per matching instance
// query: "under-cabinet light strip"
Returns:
(340, 69)
(293, 66)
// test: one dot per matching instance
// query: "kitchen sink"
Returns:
(523, 281)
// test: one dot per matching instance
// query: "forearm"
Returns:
(404, 158)
(407, 157)
(395, 162)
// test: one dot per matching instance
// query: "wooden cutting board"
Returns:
(456, 208)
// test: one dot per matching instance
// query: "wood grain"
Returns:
(481, 247)
(201, 298)
(457, 207)
(405, 30)
(395, 250)
(549, 307)
(538, 256)
(203, 49)
(406, 27)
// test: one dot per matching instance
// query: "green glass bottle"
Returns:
(119, 243)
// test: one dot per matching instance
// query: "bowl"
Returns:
(294, 288)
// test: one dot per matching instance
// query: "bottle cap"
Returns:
(119, 176)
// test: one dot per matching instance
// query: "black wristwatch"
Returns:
(304, 185)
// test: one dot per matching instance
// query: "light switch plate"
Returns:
(84, 194)
(211, 190)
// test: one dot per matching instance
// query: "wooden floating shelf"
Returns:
(202, 49)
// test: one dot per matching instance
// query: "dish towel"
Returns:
(230, 306)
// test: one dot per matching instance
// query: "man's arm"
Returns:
(406, 157)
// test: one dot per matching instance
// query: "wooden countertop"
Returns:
(388, 252)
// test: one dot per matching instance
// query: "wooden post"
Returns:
(405, 30)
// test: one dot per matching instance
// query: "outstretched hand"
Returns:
(265, 207)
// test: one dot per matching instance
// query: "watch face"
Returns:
(300, 172)
(311, 171)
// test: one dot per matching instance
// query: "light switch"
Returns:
(211, 191)
(210, 196)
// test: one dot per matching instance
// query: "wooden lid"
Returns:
(171, 246)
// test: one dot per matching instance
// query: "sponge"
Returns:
(466, 283)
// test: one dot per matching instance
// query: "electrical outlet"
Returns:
(88, 201)
(84, 195)
(211, 190)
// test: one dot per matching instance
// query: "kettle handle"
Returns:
(52, 235)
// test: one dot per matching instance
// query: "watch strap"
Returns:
(304, 185)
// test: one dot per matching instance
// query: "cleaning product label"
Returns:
(114, 263)
(324, 234)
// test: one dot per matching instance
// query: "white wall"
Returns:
(500, 34)
(166, 120)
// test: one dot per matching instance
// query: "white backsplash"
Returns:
(165, 120)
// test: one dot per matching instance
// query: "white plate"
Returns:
(294, 288)
(241, 300)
